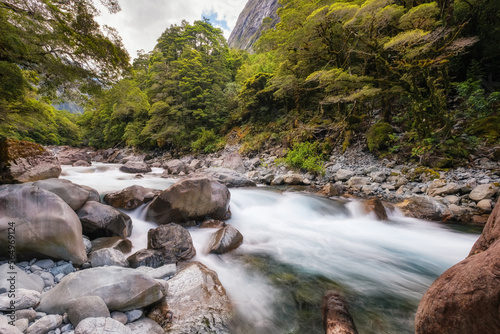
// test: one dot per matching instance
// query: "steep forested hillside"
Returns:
(411, 79)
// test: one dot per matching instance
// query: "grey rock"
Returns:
(378, 176)
(45, 324)
(145, 325)
(22, 281)
(118, 243)
(234, 161)
(228, 177)
(65, 269)
(133, 315)
(440, 187)
(6, 328)
(108, 257)
(131, 197)
(483, 191)
(45, 264)
(485, 205)
(100, 220)
(21, 324)
(48, 278)
(45, 225)
(86, 307)
(175, 167)
(358, 182)
(173, 240)
(294, 179)
(146, 257)
(28, 314)
(160, 272)
(343, 175)
(135, 167)
(119, 316)
(225, 240)
(24, 299)
(71, 193)
(121, 289)
(101, 325)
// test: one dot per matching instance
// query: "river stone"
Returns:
(122, 289)
(376, 207)
(160, 272)
(175, 167)
(29, 315)
(145, 325)
(108, 257)
(131, 197)
(484, 205)
(45, 324)
(343, 175)
(134, 167)
(336, 316)
(22, 281)
(424, 207)
(133, 315)
(21, 324)
(118, 243)
(101, 325)
(378, 176)
(70, 155)
(146, 257)
(24, 299)
(465, 299)
(440, 187)
(293, 179)
(234, 161)
(23, 161)
(330, 190)
(45, 226)
(81, 163)
(483, 191)
(100, 220)
(173, 240)
(86, 307)
(71, 193)
(196, 302)
(225, 239)
(212, 223)
(6, 328)
(228, 177)
(119, 316)
(358, 181)
(190, 199)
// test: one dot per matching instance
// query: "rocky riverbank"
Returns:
(464, 194)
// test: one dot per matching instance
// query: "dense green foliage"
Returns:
(51, 50)
(410, 78)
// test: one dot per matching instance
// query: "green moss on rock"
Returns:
(377, 136)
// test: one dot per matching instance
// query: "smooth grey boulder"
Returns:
(22, 161)
(108, 257)
(196, 302)
(122, 289)
(45, 324)
(424, 207)
(131, 197)
(22, 280)
(145, 325)
(225, 239)
(135, 167)
(118, 243)
(86, 307)
(100, 220)
(343, 175)
(45, 225)
(175, 167)
(483, 191)
(71, 193)
(441, 188)
(174, 242)
(190, 199)
(293, 179)
(234, 161)
(101, 326)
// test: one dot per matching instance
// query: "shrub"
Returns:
(207, 142)
(304, 156)
(378, 136)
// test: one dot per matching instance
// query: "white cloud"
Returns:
(140, 23)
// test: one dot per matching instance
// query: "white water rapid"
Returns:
(294, 243)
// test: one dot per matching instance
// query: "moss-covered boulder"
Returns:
(23, 161)
(377, 136)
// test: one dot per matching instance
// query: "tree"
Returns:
(61, 44)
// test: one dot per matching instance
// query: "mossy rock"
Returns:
(488, 128)
(377, 136)
(14, 149)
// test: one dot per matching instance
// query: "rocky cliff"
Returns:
(250, 23)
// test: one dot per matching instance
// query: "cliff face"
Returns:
(249, 25)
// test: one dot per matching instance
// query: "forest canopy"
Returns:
(331, 73)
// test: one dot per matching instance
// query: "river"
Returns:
(296, 246)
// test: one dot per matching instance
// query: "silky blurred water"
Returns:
(385, 266)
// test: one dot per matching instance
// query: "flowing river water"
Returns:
(297, 246)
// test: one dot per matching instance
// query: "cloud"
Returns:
(140, 23)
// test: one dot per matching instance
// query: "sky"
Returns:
(140, 23)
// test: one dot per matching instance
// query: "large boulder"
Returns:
(135, 167)
(190, 199)
(107, 257)
(196, 302)
(466, 298)
(424, 207)
(440, 187)
(86, 307)
(122, 289)
(336, 316)
(45, 226)
(73, 194)
(70, 155)
(100, 220)
(23, 161)
(483, 191)
(131, 197)
(234, 161)
(225, 239)
(174, 242)
(22, 281)
(175, 166)
(228, 177)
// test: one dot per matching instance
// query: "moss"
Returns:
(488, 128)
(377, 136)
(347, 141)
(15, 149)
(428, 172)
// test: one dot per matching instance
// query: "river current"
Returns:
(297, 246)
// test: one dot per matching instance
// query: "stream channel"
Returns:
(297, 246)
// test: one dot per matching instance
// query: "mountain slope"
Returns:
(249, 25)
